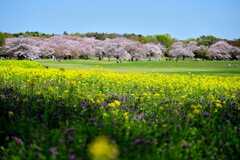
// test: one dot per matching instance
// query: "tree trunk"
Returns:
(149, 58)
(132, 58)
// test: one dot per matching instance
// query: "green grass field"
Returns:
(180, 67)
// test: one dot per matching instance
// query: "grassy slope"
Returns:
(180, 67)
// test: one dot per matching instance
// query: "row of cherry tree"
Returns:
(75, 47)
(220, 50)
(119, 48)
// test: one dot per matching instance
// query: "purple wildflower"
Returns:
(61, 141)
(222, 144)
(173, 119)
(71, 129)
(72, 157)
(227, 121)
(53, 150)
(43, 138)
(185, 145)
(135, 118)
(70, 138)
(18, 140)
(45, 127)
(206, 114)
(164, 120)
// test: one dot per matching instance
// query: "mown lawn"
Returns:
(165, 67)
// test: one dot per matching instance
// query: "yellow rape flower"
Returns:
(199, 106)
(115, 112)
(111, 105)
(98, 101)
(102, 149)
(164, 125)
(175, 111)
(10, 113)
(180, 103)
(105, 114)
(156, 95)
(37, 93)
(193, 107)
(191, 116)
(210, 97)
(196, 111)
(117, 103)
(218, 105)
(25, 99)
(125, 115)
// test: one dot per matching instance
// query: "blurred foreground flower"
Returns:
(102, 149)
(10, 113)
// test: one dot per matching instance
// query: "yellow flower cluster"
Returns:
(102, 148)
(32, 78)
(125, 115)
(114, 104)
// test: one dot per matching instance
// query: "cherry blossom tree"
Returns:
(99, 49)
(222, 50)
(235, 52)
(198, 51)
(181, 50)
(22, 48)
(141, 51)
(47, 48)
(154, 50)
(115, 48)
(135, 50)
